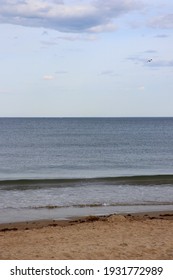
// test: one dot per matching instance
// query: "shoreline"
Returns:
(41, 223)
(138, 236)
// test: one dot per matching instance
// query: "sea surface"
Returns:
(60, 168)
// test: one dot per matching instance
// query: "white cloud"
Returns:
(103, 28)
(75, 16)
(48, 77)
(141, 88)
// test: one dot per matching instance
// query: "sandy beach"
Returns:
(133, 236)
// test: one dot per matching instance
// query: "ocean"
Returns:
(60, 168)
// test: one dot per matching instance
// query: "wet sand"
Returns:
(122, 237)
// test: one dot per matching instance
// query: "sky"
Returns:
(88, 58)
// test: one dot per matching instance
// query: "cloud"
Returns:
(141, 88)
(137, 59)
(61, 72)
(4, 91)
(48, 77)
(109, 73)
(164, 22)
(150, 51)
(49, 43)
(155, 63)
(162, 63)
(44, 33)
(162, 36)
(76, 16)
(77, 37)
(68, 37)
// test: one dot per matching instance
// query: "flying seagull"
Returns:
(149, 60)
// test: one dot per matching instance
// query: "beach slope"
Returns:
(121, 237)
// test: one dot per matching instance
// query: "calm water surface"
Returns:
(63, 167)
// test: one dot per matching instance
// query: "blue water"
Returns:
(63, 167)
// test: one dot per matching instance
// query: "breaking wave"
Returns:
(143, 180)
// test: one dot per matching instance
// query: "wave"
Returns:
(97, 205)
(147, 180)
(103, 205)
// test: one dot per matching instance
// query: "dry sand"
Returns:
(140, 236)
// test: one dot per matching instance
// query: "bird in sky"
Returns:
(149, 60)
